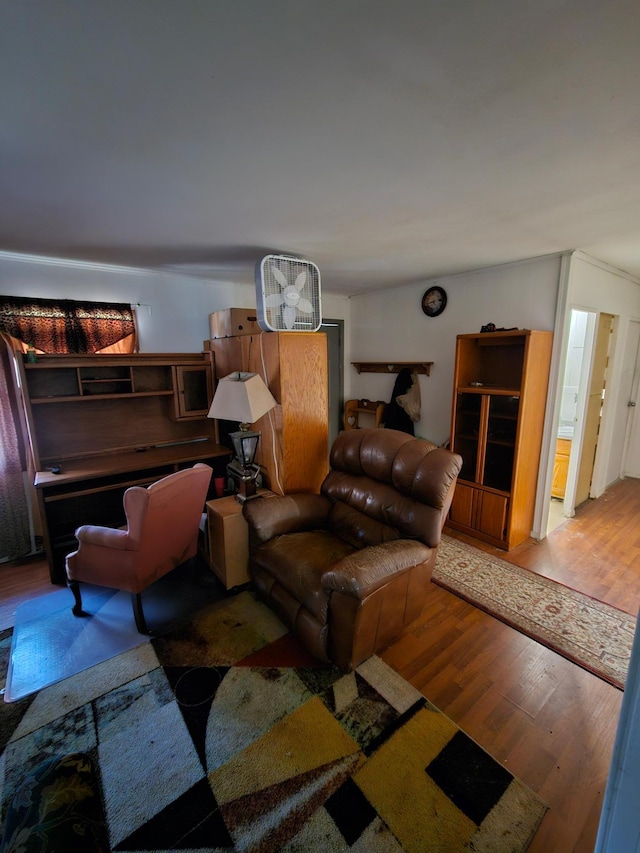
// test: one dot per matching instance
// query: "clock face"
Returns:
(434, 301)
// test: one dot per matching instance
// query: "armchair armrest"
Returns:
(107, 537)
(273, 516)
(362, 572)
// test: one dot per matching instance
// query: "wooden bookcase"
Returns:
(293, 452)
(500, 389)
(97, 424)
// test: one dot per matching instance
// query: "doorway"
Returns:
(334, 330)
(583, 394)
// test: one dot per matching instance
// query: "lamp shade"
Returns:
(241, 397)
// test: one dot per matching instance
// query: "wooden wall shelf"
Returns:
(423, 367)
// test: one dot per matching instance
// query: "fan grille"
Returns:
(290, 293)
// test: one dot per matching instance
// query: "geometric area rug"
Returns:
(224, 735)
(588, 632)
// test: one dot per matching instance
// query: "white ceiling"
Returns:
(389, 141)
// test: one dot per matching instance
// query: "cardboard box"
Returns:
(233, 321)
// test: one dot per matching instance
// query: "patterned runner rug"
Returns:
(223, 735)
(588, 632)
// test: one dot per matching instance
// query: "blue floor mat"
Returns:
(49, 643)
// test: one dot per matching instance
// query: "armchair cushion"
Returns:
(297, 561)
(349, 568)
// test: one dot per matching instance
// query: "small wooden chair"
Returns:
(354, 408)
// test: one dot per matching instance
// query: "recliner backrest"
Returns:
(385, 484)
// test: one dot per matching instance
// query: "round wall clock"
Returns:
(434, 301)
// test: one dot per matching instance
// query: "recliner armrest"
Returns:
(364, 571)
(273, 516)
(108, 537)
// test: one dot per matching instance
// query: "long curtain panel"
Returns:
(15, 535)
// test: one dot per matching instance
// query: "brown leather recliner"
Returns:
(349, 568)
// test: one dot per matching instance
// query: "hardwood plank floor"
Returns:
(547, 720)
(550, 722)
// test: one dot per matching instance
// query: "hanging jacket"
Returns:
(395, 416)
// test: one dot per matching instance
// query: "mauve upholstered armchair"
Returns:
(162, 528)
(347, 570)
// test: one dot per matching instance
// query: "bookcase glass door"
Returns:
(502, 423)
(467, 434)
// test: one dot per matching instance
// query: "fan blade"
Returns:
(301, 280)
(289, 315)
(273, 300)
(305, 305)
(279, 276)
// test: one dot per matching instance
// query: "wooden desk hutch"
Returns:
(109, 422)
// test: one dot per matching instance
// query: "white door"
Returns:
(593, 408)
(629, 386)
(586, 333)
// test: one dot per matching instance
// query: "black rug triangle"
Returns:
(191, 821)
(195, 688)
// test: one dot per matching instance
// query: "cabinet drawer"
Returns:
(479, 511)
(462, 505)
(491, 516)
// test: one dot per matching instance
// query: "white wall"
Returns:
(619, 828)
(593, 286)
(174, 310)
(391, 326)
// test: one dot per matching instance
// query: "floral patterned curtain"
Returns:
(65, 325)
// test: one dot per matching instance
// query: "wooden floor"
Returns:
(547, 720)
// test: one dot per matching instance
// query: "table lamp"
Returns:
(242, 397)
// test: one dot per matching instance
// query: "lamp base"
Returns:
(243, 481)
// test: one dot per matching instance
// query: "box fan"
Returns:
(288, 294)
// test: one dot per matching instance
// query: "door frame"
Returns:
(633, 418)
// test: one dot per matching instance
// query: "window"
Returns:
(66, 325)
